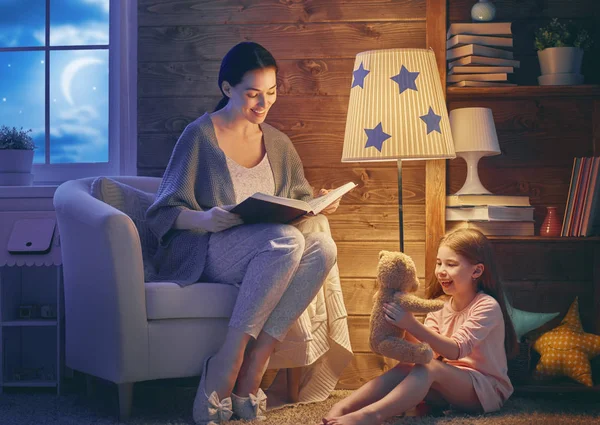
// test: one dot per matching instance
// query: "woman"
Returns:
(220, 159)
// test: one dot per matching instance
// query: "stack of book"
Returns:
(498, 215)
(582, 212)
(480, 54)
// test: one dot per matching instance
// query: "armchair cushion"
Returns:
(168, 300)
(132, 202)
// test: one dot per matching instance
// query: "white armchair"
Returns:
(118, 327)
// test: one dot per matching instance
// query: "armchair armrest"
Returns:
(105, 306)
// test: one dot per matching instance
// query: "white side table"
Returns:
(31, 297)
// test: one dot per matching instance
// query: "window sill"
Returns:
(35, 191)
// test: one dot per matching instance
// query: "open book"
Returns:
(263, 208)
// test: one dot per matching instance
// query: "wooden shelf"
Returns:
(515, 92)
(559, 388)
(25, 323)
(30, 383)
(590, 239)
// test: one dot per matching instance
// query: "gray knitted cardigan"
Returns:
(197, 178)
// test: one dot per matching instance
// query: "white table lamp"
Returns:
(397, 111)
(474, 135)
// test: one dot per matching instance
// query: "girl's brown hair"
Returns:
(476, 248)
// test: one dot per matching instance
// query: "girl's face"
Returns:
(254, 95)
(455, 273)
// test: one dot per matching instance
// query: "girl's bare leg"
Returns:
(454, 385)
(370, 392)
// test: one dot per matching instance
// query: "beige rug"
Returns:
(517, 411)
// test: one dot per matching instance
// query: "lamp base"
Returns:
(472, 184)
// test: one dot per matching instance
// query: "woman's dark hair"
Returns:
(243, 57)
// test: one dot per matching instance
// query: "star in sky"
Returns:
(376, 137)
(406, 79)
(359, 76)
(432, 120)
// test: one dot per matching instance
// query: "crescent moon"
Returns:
(69, 72)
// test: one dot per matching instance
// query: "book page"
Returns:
(293, 203)
(320, 203)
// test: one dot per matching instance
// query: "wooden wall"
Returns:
(181, 44)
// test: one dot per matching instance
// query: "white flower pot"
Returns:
(15, 167)
(16, 179)
(16, 160)
(560, 60)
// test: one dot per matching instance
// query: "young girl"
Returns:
(471, 338)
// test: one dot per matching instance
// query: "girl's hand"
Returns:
(397, 316)
(331, 208)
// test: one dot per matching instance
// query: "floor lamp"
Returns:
(397, 112)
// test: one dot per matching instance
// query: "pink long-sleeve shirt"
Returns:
(478, 330)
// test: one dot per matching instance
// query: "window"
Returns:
(67, 72)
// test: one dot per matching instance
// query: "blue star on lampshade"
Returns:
(376, 137)
(406, 79)
(432, 120)
(359, 76)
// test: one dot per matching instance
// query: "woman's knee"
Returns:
(284, 236)
(324, 246)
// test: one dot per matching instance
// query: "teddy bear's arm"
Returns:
(404, 351)
(416, 304)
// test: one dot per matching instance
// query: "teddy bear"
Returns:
(397, 278)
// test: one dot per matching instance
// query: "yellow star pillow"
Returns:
(566, 350)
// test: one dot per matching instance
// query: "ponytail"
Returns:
(221, 103)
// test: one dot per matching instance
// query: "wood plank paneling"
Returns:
(360, 222)
(296, 113)
(358, 294)
(359, 259)
(314, 77)
(330, 40)
(376, 185)
(193, 12)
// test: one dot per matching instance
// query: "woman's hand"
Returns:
(217, 219)
(397, 316)
(331, 208)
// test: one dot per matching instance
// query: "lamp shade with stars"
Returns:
(397, 108)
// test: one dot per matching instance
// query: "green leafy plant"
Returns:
(13, 138)
(560, 34)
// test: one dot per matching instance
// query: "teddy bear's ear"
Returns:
(382, 253)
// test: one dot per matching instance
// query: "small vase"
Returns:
(483, 11)
(551, 226)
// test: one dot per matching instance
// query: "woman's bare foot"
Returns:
(220, 376)
(360, 417)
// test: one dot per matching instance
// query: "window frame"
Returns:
(122, 117)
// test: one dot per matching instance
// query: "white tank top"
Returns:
(248, 181)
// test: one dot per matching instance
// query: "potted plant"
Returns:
(560, 49)
(16, 156)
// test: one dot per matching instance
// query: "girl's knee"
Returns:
(424, 372)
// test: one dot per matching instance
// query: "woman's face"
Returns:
(254, 95)
(455, 273)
